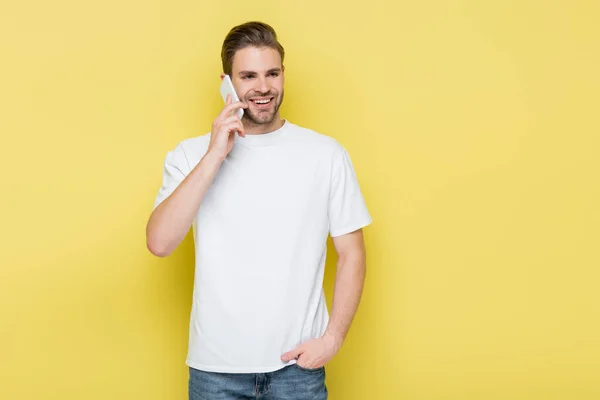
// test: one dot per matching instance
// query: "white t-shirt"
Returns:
(260, 239)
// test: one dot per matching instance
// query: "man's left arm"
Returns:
(349, 281)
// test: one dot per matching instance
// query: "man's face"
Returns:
(257, 75)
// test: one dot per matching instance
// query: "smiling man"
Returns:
(262, 195)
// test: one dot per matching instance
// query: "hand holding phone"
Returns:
(227, 124)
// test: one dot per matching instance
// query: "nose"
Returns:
(263, 85)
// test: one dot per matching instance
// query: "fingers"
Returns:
(305, 362)
(233, 127)
(239, 128)
(229, 125)
(229, 107)
(227, 122)
(230, 120)
(290, 355)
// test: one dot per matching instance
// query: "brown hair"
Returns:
(253, 33)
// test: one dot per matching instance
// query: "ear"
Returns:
(222, 76)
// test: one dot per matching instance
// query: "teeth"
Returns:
(262, 101)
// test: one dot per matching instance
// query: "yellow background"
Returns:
(473, 127)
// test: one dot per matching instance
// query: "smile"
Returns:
(262, 101)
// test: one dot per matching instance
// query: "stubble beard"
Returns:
(263, 118)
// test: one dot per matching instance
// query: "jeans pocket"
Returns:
(311, 370)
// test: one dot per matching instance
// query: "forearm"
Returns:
(349, 282)
(171, 220)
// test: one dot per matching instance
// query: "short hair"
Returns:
(249, 34)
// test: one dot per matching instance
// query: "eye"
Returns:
(246, 77)
(274, 74)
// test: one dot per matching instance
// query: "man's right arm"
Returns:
(170, 222)
(172, 218)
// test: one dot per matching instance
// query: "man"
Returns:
(262, 194)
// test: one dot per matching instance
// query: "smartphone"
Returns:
(227, 88)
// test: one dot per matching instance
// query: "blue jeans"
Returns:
(290, 383)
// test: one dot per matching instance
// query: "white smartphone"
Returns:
(227, 88)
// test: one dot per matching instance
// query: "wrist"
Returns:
(213, 159)
(333, 338)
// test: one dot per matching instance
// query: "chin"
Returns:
(262, 120)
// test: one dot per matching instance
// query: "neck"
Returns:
(260, 129)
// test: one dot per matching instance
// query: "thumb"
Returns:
(290, 355)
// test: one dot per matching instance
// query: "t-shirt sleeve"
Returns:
(175, 170)
(347, 209)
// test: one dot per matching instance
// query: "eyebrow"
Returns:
(253, 73)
